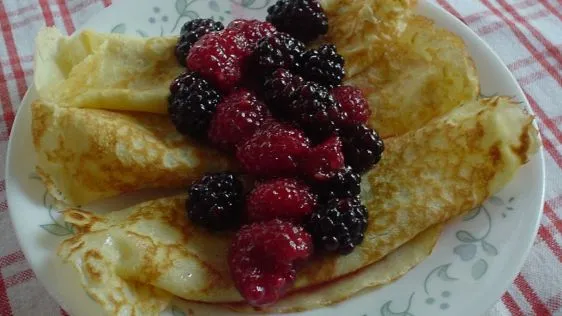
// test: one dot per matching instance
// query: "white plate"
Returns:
(475, 260)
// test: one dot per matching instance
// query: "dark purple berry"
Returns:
(216, 201)
(281, 88)
(279, 50)
(362, 147)
(191, 32)
(303, 19)
(323, 65)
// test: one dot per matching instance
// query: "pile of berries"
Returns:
(253, 89)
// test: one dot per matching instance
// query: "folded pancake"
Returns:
(393, 266)
(425, 178)
(153, 244)
(110, 71)
(421, 75)
(362, 29)
(88, 154)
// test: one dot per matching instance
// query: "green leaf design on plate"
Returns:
(181, 5)
(465, 236)
(479, 268)
(472, 214)
(465, 251)
(489, 248)
(213, 5)
(142, 33)
(494, 200)
(247, 3)
(386, 311)
(56, 229)
(443, 273)
(119, 28)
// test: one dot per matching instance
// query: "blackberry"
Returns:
(323, 65)
(362, 147)
(279, 50)
(216, 201)
(280, 89)
(342, 184)
(339, 225)
(316, 111)
(191, 105)
(191, 32)
(303, 19)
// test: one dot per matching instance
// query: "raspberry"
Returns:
(316, 111)
(262, 259)
(219, 57)
(342, 184)
(353, 103)
(192, 104)
(303, 19)
(323, 65)
(281, 88)
(362, 147)
(283, 198)
(237, 117)
(191, 32)
(252, 31)
(274, 150)
(339, 226)
(279, 50)
(216, 201)
(322, 161)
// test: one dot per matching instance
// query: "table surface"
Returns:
(527, 35)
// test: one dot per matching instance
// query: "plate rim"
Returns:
(31, 95)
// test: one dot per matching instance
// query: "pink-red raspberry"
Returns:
(353, 103)
(252, 31)
(282, 198)
(219, 57)
(322, 161)
(274, 150)
(237, 117)
(262, 259)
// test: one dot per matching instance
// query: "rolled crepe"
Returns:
(88, 154)
(425, 178)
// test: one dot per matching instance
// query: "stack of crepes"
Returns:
(100, 130)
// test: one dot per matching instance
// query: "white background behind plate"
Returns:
(512, 236)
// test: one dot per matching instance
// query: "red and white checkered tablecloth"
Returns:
(527, 34)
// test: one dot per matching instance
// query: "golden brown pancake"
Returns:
(109, 71)
(427, 177)
(87, 154)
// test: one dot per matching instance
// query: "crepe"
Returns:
(153, 245)
(87, 154)
(410, 70)
(393, 266)
(109, 71)
(427, 177)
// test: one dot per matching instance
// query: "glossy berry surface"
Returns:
(192, 104)
(362, 147)
(216, 201)
(303, 19)
(262, 259)
(279, 50)
(324, 160)
(323, 65)
(252, 31)
(339, 225)
(281, 88)
(353, 103)
(219, 57)
(274, 150)
(316, 111)
(191, 32)
(282, 198)
(236, 119)
(344, 183)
